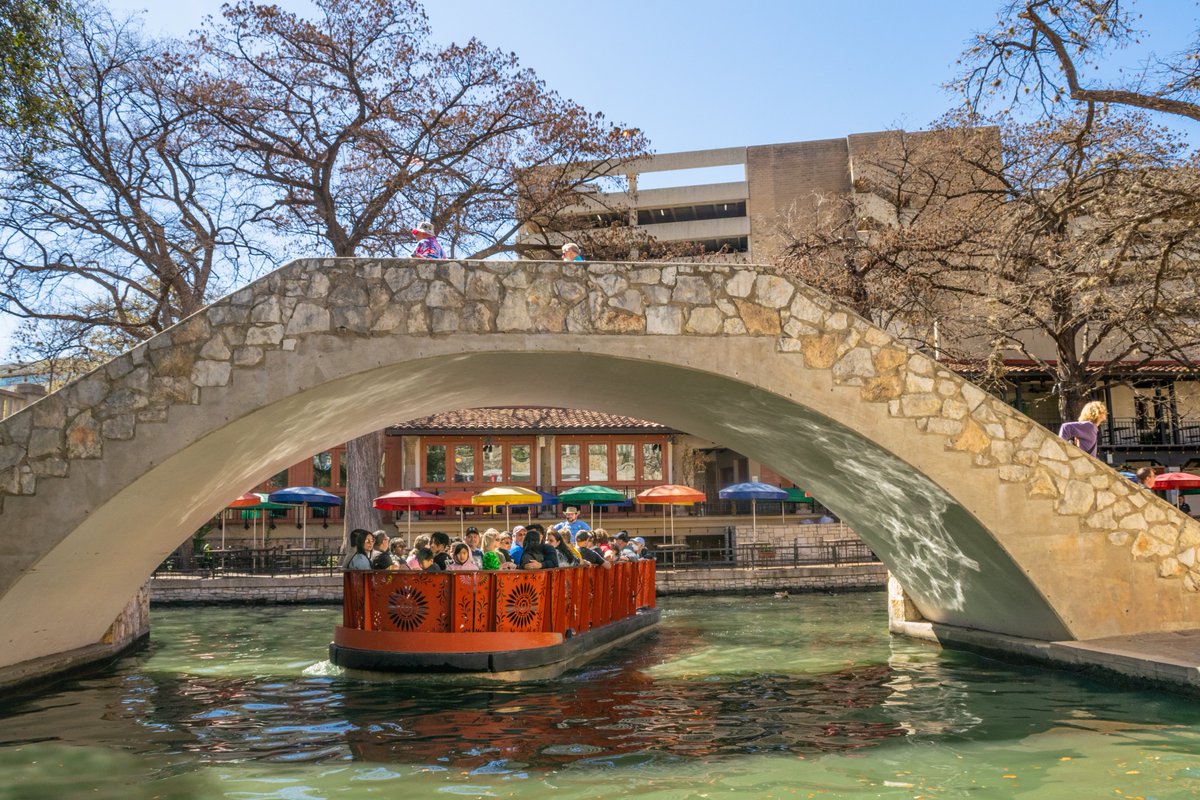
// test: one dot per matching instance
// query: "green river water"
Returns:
(806, 697)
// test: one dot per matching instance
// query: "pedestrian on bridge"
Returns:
(428, 246)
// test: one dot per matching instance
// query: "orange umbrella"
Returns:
(459, 499)
(670, 495)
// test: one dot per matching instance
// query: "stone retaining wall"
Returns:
(328, 588)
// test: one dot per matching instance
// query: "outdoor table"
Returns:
(301, 558)
(669, 552)
(219, 554)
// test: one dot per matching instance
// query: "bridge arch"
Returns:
(989, 521)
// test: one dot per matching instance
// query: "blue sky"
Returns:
(704, 74)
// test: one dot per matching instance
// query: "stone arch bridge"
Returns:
(988, 521)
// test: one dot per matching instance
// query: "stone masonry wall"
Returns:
(370, 298)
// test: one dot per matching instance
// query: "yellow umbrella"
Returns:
(507, 496)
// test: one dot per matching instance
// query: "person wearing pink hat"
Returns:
(428, 246)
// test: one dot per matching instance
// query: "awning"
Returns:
(797, 495)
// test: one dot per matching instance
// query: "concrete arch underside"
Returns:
(977, 540)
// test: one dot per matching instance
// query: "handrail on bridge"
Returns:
(564, 601)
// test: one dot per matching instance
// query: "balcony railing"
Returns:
(1132, 433)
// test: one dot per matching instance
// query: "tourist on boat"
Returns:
(439, 543)
(572, 252)
(517, 548)
(472, 538)
(362, 541)
(562, 551)
(399, 549)
(588, 554)
(503, 544)
(536, 554)
(418, 543)
(643, 549)
(492, 559)
(460, 558)
(620, 542)
(573, 523)
(426, 562)
(381, 557)
(600, 541)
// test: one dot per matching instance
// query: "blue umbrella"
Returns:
(306, 496)
(753, 491)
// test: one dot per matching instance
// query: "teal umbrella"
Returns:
(592, 494)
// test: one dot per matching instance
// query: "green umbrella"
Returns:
(592, 494)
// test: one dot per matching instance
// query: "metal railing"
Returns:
(284, 558)
(759, 554)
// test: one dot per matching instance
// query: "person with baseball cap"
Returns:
(428, 245)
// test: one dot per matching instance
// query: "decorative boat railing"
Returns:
(487, 611)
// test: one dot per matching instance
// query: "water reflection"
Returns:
(726, 685)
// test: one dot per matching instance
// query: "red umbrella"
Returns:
(670, 495)
(1175, 480)
(459, 499)
(409, 500)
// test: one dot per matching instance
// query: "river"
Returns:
(804, 697)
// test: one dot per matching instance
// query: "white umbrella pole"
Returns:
(222, 529)
(303, 527)
(408, 516)
(754, 517)
(506, 525)
(462, 524)
(672, 507)
(601, 515)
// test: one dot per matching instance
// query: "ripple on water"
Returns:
(732, 696)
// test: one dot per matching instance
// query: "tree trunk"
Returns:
(363, 457)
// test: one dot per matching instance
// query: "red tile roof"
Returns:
(527, 418)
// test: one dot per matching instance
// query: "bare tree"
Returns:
(1067, 242)
(357, 127)
(114, 228)
(1047, 52)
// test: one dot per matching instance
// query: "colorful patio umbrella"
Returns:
(795, 495)
(507, 496)
(753, 491)
(460, 500)
(409, 500)
(304, 496)
(255, 502)
(670, 495)
(592, 494)
(1165, 481)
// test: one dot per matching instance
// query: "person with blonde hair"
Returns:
(571, 252)
(1085, 433)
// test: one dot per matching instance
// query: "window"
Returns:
(322, 470)
(569, 462)
(464, 463)
(435, 463)
(652, 462)
(278, 481)
(520, 462)
(493, 463)
(342, 469)
(626, 468)
(597, 462)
